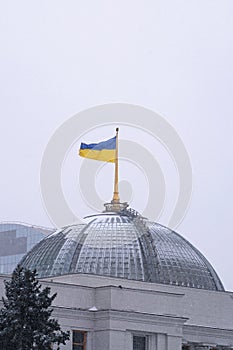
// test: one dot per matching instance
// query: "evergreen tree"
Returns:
(25, 319)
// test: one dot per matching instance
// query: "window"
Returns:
(139, 342)
(185, 347)
(79, 340)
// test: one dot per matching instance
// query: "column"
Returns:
(152, 340)
(161, 342)
(128, 340)
(174, 343)
(167, 342)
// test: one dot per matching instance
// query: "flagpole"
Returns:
(116, 198)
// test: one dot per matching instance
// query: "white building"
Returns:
(126, 283)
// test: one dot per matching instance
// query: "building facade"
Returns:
(16, 239)
(105, 313)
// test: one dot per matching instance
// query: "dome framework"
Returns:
(124, 245)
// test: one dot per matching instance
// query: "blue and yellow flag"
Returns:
(104, 151)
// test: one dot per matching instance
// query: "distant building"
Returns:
(16, 239)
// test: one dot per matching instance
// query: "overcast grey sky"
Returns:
(174, 57)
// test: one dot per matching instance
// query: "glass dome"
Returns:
(123, 245)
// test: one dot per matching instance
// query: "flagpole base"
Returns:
(115, 206)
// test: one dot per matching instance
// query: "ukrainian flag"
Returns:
(104, 151)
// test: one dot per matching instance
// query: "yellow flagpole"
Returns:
(116, 198)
